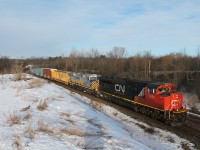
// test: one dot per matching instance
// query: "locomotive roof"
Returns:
(113, 79)
(155, 84)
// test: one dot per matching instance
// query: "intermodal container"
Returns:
(47, 73)
(61, 76)
(38, 71)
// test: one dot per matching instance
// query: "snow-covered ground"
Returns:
(37, 115)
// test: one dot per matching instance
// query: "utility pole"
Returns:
(149, 69)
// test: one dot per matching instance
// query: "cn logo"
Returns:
(120, 88)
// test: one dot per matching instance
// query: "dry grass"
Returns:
(147, 129)
(94, 123)
(42, 105)
(30, 132)
(59, 98)
(27, 116)
(36, 83)
(44, 127)
(96, 105)
(17, 67)
(26, 108)
(77, 113)
(115, 113)
(79, 131)
(73, 131)
(82, 144)
(65, 114)
(18, 91)
(140, 125)
(93, 143)
(17, 70)
(72, 92)
(19, 76)
(34, 100)
(82, 116)
(18, 142)
(150, 130)
(185, 146)
(170, 139)
(14, 118)
(71, 121)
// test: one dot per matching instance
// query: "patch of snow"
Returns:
(70, 121)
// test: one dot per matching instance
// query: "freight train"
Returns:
(158, 100)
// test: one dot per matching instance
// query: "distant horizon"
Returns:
(43, 28)
(184, 52)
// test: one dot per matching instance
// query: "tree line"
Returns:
(177, 68)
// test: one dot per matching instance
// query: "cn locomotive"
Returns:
(158, 100)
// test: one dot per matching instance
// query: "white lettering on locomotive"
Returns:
(120, 88)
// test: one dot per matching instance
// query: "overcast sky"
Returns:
(55, 27)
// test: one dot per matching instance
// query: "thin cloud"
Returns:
(50, 28)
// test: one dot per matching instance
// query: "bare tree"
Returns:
(117, 52)
(135, 66)
(198, 59)
(147, 59)
(74, 53)
(5, 64)
(93, 53)
(17, 69)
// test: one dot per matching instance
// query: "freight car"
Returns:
(47, 73)
(60, 76)
(38, 72)
(155, 99)
(81, 81)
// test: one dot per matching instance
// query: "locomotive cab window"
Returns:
(163, 90)
(152, 90)
(93, 78)
(142, 93)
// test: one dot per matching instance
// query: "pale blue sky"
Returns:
(54, 27)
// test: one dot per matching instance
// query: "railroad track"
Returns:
(191, 132)
(194, 115)
(194, 122)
